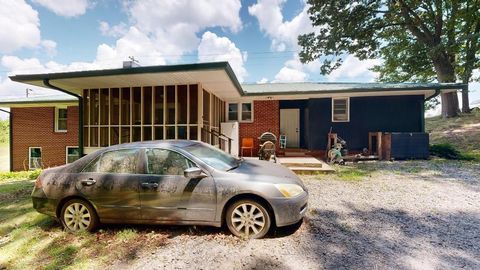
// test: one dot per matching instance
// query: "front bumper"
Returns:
(289, 211)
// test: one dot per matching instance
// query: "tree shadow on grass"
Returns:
(383, 238)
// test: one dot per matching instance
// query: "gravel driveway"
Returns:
(407, 215)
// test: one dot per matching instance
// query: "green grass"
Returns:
(30, 240)
(23, 175)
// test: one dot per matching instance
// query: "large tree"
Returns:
(417, 40)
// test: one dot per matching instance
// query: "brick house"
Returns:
(198, 102)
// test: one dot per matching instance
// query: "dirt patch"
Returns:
(407, 215)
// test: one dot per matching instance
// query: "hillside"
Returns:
(462, 132)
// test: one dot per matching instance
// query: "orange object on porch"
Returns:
(247, 143)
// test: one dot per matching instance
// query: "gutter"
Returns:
(46, 82)
(10, 137)
(437, 92)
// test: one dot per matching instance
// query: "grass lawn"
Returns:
(29, 240)
(4, 158)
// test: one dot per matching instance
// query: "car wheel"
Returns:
(248, 219)
(78, 215)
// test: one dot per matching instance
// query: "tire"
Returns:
(78, 215)
(248, 219)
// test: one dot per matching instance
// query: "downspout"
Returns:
(10, 137)
(46, 82)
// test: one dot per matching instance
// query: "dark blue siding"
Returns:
(367, 114)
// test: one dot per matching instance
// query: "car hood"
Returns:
(264, 171)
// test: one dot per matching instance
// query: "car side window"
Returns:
(119, 161)
(166, 162)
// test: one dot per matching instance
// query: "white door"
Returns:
(290, 126)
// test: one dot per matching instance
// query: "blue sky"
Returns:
(257, 37)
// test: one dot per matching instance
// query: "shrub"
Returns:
(28, 175)
(448, 151)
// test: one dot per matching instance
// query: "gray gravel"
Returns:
(404, 215)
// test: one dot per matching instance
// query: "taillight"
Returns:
(38, 183)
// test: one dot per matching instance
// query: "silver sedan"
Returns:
(171, 182)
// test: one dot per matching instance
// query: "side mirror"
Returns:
(194, 173)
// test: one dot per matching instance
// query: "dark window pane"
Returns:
(115, 108)
(104, 106)
(233, 111)
(182, 132)
(170, 133)
(147, 105)
(86, 106)
(147, 133)
(104, 136)
(93, 137)
(136, 134)
(125, 106)
(62, 124)
(170, 113)
(193, 133)
(85, 137)
(206, 108)
(158, 133)
(159, 104)
(94, 106)
(182, 104)
(137, 103)
(72, 154)
(165, 162)
(193, 104)
(125, 135)
(121, 161)
(246, 111)
(114, 136)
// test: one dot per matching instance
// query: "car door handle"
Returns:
(88, 182)
(149, 185)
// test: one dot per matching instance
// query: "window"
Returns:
(240, 111)
(60, 120)
(34, 158)
(120, 161)
(213, 156)
(166, 162)
(232, 112)
(340, 110)
(72, 154)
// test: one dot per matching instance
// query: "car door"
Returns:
(166, 194)
(111, 183)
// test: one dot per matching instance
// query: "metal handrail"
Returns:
(221, 136)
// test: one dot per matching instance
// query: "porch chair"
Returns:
(247, 144)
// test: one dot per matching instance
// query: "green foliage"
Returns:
(4, 129)
(448, 151)
(24, 175)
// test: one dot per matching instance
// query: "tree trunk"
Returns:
(465, 99)
(446, 73)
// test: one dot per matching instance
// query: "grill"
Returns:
(267, 146)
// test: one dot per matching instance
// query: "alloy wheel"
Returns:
(77, 217)
(248, 220)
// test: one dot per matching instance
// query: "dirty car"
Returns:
(171, 182)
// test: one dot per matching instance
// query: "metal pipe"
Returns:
(47, 83)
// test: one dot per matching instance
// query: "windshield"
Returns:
(212, 156)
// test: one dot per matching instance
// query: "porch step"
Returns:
(305, 165)
(311, 170)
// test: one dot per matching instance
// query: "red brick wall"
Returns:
(34, 127)
(266, 117)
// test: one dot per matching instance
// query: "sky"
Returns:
(257, 37)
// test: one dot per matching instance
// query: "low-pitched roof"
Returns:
(32, 101)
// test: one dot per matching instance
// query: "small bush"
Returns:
(22, 175)
(448, 151)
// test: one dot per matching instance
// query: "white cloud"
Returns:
(50, 47)
(214, 48)
(113, 31)
(288, 74)
(282, 33)
(19, 26)
(65, 8)
(262, 81)
(354, 69)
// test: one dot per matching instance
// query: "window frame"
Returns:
(347, 109)
(66, 153)
(57, 118)
(240, 111)
(30, 156)
(145, 156)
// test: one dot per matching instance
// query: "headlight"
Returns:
(289, 190)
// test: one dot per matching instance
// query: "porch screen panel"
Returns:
(115, 106)
(136, 106)
(193, 104)
(159, 96)
(94, 103)
(147, 105)
(125, 135)
(125, 106)
(170, 110)
(114, 135)
(182, 107)
(104, 138)
(104, 106)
